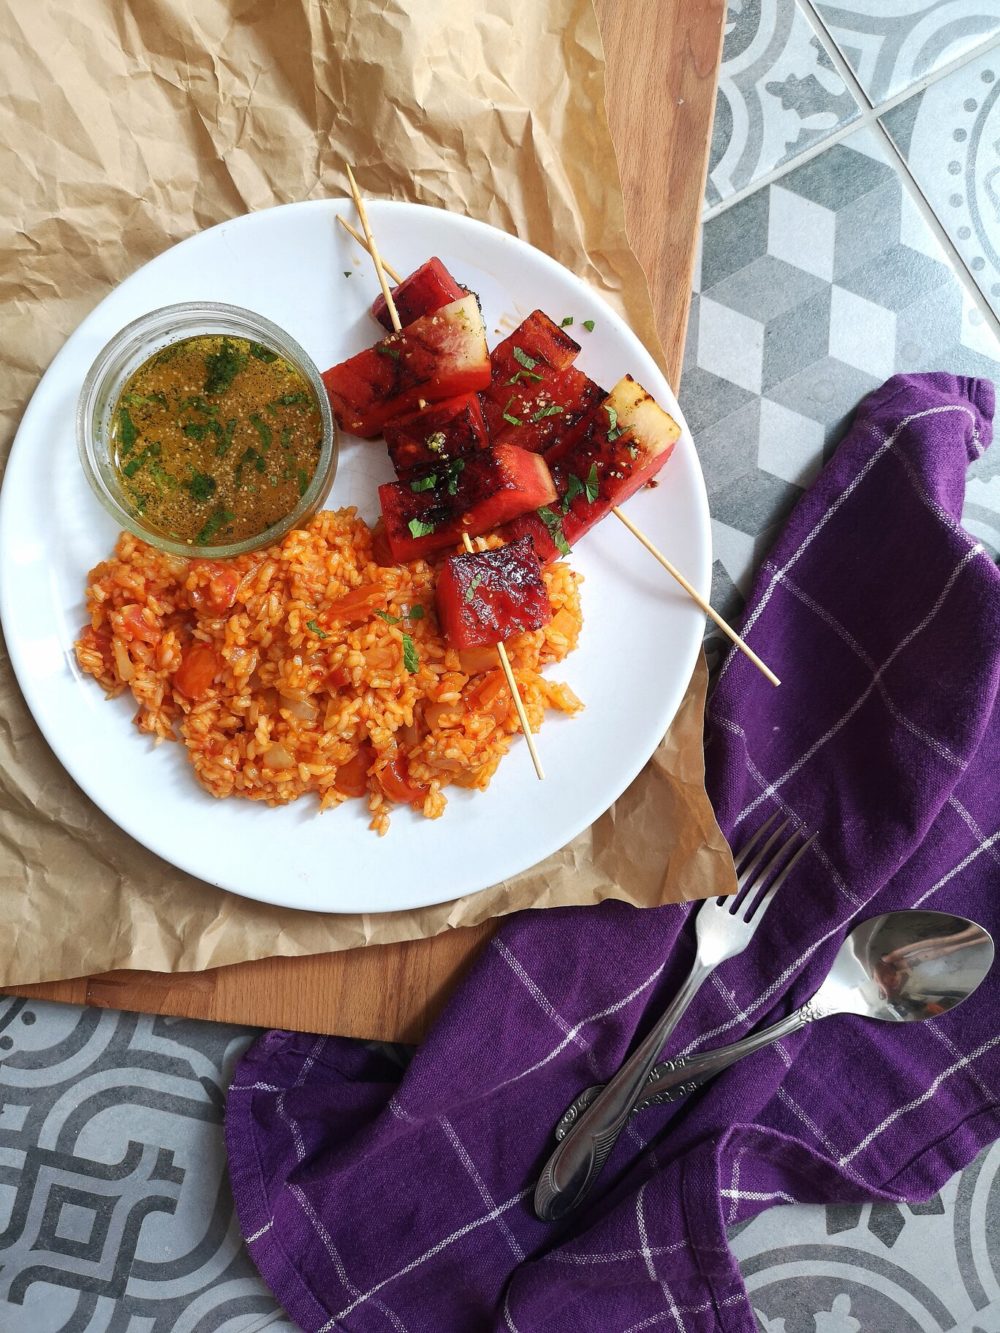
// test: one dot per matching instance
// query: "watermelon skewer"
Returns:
(394, 316)
(657, 554)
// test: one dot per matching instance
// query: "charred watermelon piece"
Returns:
(428, 437)
(427, 289)
(438, 356)
(486, 596)
(473, 494)
(622, 445)
(540, 416)
(535, 339)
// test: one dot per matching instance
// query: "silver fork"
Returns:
(723, 928)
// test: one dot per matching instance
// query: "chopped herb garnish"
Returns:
(312, 625)
(226, 439)
(410, 658)
(146, 400)
(633, 450)
(436, 442)
(420, 529)
(286, 437)
(128, 431)
(615, 430)
(387, 351)
(415, 613)
(262, 353)
(592, 485)
(470, 591)
(201, 486)
(303, 479)
(424, 483)
(574, 487)
(163, 480)
(198, 404)
(222, 367)
(514, 421)
(262, 429)
(290, 399)
(195, 430)
(134, 464)
(523, 359)
(567, 322)
(389, 620)
(454, 468)
(554, 525)
(550, 410)
(523, 375)
(212, 525)
(588, 324)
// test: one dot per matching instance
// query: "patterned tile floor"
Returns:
(852, 229)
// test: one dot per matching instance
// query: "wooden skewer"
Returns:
(696, 596)
(372, 248)
(636, 532)
(380, 269)
(353, 231)
(508, 671)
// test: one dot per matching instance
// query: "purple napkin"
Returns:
(373, 1199)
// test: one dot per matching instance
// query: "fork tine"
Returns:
(764, 902)
(751, 872)
(740, 857)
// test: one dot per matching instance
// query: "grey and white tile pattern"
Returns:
(919, 1268)
(115, 1213)
(779, 93)
(115, 1210)
(892, 44)
(812, 291)
(950, 137)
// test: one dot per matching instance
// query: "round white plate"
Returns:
(636, 653)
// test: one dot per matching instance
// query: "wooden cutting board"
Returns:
(662, 67)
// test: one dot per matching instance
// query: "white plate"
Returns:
(636, 652)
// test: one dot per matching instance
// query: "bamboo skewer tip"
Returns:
(696, 596)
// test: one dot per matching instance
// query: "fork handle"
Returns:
(577, 1161)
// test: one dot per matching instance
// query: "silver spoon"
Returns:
(900, 967)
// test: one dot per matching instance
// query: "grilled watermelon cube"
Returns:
(486, 596)
(539, 416)
(435, 434)
(438, 356)
(473, 494)
(622, 445)
(536, 339)
(427, 289)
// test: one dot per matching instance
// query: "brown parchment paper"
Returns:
(125, 127)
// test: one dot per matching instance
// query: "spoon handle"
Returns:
(690, 1073)
(671, 1080)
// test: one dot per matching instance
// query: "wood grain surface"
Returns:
(662, 67)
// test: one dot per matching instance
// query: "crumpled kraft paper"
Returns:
(128, 127)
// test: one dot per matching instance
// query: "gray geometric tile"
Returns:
(839, 176)
(880, 1268)
(778, 94)
(115, 1209)
(767, 287)
(891, 44)
(949, 135)
(734, 239)
(814, 290)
